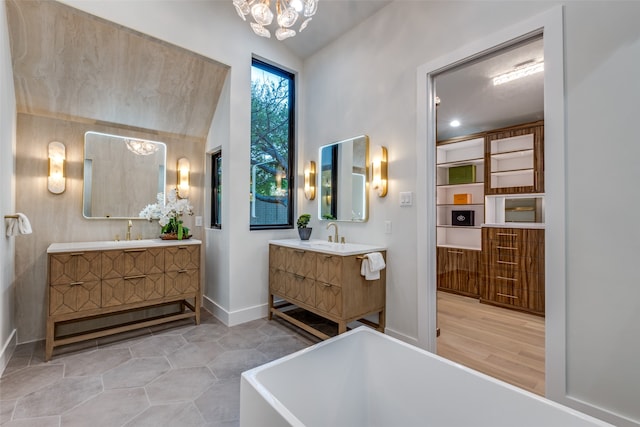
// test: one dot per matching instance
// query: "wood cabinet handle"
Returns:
(507, 234)
(455, 252)
(182, 247)
(327, 256)
(300, 251)
(507, 278)
(182, 271)
(77, 253)
(299, 277)
(506, 296)
(135, 250)
(326, 285)
(509, 248)
(76, 283)
(507, 262)
(139, 276)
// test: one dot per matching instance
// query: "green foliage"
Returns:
(303, 220)
(270, 138)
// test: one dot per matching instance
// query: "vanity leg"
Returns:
(48, 351)
(382, 320)
(342, 327)
(270, 316)
(197, 302)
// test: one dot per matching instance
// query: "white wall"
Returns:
(213, 29)
(365, 83)
(7, 195)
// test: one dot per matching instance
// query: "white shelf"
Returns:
(472, 184)
(512, 172)
(469, 248)
(479, 161)
(513, 154)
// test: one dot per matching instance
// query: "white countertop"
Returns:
(516, 225)
(120, 244)
(342, 249)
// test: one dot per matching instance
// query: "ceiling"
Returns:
(467, 93)
(72, 65)
(333, 19)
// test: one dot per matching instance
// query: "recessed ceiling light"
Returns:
(454, 123)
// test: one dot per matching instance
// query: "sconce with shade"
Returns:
(379, 173)
(184, 169)
(56, 181)
(310, 181)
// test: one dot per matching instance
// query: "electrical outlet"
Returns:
(198, 221)
(387, 227)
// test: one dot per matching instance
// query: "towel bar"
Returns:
(11, 217)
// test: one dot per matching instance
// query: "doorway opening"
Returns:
(489, 201)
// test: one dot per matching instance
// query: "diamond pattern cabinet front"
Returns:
(97, 284)
(325, 284)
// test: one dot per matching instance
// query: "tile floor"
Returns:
(178, 374)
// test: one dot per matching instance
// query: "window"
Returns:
(272, 147)
(216, 190)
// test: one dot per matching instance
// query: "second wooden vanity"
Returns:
(92, 280)
(325, 279)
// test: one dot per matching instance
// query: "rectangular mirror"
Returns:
(343, 180)
(121, 175)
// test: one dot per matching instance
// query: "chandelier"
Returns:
(140, 147)
(287, 13)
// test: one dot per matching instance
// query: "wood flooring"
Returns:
(502, 343)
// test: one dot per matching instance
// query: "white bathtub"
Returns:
(365, 378)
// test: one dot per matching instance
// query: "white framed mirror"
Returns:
(121, 175)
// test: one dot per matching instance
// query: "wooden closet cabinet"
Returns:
(459, 270)
(325, 284)
(87, 282)
(514, 268)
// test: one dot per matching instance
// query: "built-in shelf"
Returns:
(473, 184)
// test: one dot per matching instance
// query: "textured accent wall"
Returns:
(58, 218)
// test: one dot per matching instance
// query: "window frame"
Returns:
(291, 148)
(216, 188)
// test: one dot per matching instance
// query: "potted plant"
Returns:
(303, 230)
(169, 215)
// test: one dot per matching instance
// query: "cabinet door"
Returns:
(277, 281)
(514, 160)
(329, 269)
(301, 262)
(458, 270)
(66, 268)
(329, 299)
(181, 282)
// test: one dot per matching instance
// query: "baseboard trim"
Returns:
(237, 317)
(7, 351)
(401, 336)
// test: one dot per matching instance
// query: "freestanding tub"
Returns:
(365, 378)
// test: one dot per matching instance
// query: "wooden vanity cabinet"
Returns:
(327, 285)
(459, 271)
(92, 284)
(514, 268)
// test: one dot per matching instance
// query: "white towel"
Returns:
(371, 265)
(17, 226)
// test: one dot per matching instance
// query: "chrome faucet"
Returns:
(129, 225)
(335, 234)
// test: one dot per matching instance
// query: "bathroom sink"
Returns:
(329, 247)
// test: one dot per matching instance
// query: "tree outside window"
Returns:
(272, 142)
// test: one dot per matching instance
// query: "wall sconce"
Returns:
(56, 182)
(310, 181)
(183, 177)
(379, 174)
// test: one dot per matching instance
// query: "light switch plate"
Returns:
(198, 221)
(406, 198)
(387, 227)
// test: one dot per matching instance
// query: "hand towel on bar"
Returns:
(17, 226)
(371, 265)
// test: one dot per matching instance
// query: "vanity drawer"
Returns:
(301, 262)
(300, 289)
(74, 297)
(278, 257)
(329, 269)
(181, 282)
(277, 281)
(513, 236)
(71, 267)
(185, 257)
(132, 289)
(329, 299)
